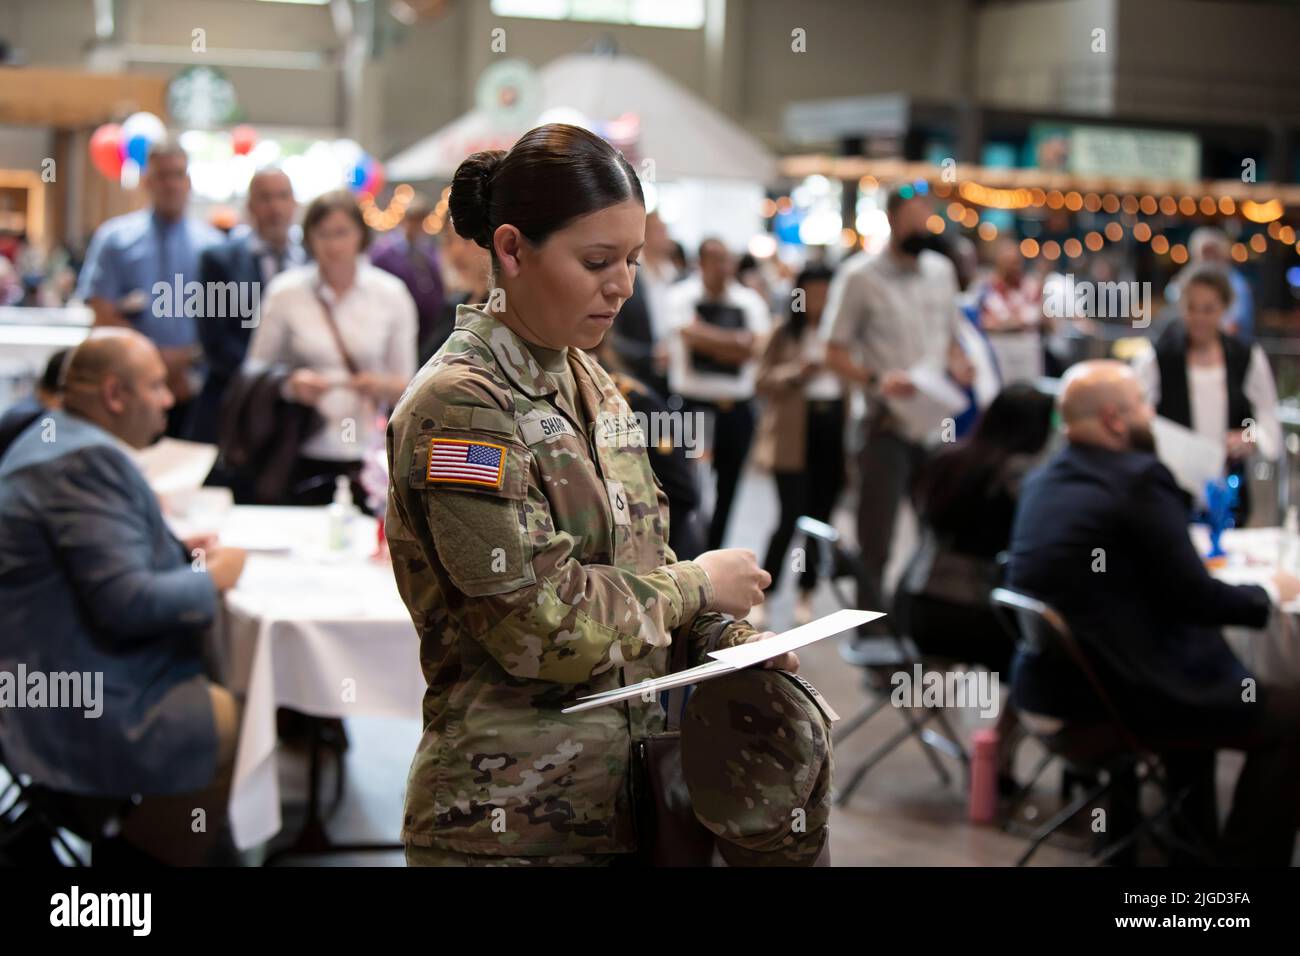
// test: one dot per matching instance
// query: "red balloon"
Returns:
(242, 139)
(376, 179)
(106, 151)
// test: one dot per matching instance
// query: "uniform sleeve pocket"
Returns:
(480, 541)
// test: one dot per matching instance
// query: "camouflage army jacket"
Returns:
(529, 542)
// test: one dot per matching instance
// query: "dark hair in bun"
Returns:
(468, 201)
(554, 174)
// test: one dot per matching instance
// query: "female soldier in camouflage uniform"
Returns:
(528, 533)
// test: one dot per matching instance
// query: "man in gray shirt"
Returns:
(890, 316)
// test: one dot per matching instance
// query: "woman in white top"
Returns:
(1213, 383)
(718, 329)
(349, 332)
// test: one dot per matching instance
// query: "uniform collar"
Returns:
(509, 350)
(597, 392)
(517, 363)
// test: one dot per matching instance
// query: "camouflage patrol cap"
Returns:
(756, 756)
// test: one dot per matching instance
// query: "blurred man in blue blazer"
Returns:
(93, 583)
(254, 256)
(1101, 535)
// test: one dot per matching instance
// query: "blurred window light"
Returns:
(873, 225)
(677, 14)
(309, 3)
(820, 227)
(814, 204)
(217, 176)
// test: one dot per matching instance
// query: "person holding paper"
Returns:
(891, 324)
(1100, 535)
(1210, 381)
(528, 534)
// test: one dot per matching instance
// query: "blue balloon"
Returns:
(360, 172)
(786, 227)
(137, 148)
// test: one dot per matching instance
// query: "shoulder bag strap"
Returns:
(334, 331)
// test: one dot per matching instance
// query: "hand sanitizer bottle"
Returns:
(340, 514)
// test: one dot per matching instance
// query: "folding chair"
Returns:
(879, 659)
(33, 814)
(1107, 751)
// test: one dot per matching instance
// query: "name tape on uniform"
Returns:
(621, 430)
(462, 461)
(539, 426)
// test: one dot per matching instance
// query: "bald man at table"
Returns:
(1101, 535)
(94, 585)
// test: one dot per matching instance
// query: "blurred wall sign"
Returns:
(200, 97)
(509, 94)
(1107, 151)
(817, 121)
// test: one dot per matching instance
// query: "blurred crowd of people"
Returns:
(316, 330)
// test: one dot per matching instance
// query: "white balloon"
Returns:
(130, 175)
(143, 124)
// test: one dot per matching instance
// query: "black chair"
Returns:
(1107, 753)
(879, 658)
(36, 818)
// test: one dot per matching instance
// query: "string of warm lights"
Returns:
(434, 222)
(1111, 203)
(969, 194)
(388, 217)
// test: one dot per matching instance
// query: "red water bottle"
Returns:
(984, 776)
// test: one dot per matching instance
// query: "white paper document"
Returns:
(732, 659)
(936, 398)
(172, 466)
(1192, 458)
(1020, 355)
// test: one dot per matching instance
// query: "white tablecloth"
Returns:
(1273, 654)
(326, 635)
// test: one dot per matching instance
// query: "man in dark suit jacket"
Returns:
(93, 584)
(1101, 535)
(250, 261)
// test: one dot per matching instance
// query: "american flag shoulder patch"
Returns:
(463, 461)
